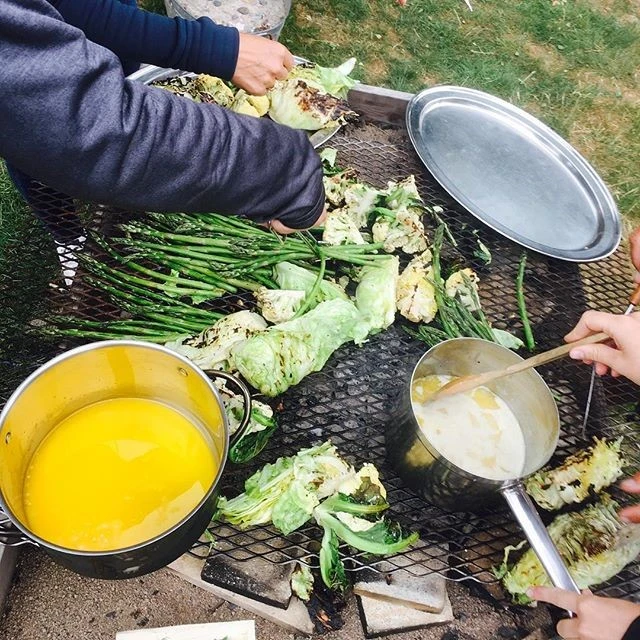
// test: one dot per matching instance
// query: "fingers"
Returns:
(617, 355)
(278, 227)
(604, 356)
(591, 322)
(281, 73)
(568, 629)
(320, 221)
(601, 369)
(632, 484)
(261, 62)
(560, 597)
(630, 514)
(282, 229)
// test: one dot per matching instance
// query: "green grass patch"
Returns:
(157, 6)
(585, 35)
(13, 209)
(27, 264)
(570, 63)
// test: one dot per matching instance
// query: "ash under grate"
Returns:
(349, 401)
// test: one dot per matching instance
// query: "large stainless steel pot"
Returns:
(89, 374)
(441, 482)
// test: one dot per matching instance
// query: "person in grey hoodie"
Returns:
(70, 118)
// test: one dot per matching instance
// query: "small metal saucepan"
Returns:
(442, 483)
(89, 374)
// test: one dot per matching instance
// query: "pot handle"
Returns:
(246, 397)
(10, 535)
(538, 536)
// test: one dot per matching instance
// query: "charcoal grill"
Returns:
(350, 399)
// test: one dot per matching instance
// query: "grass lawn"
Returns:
(575, 64)
(27, 265)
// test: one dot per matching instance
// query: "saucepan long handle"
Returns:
(537, 535)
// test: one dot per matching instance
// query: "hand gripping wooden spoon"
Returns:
(634, 301)
(466, 383)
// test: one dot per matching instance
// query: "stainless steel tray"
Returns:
(149, 73)
(514, 173)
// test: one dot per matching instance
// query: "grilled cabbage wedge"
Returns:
(594, 544)
(318, 482)
(580, 475)
(416, 293)
(278, 358)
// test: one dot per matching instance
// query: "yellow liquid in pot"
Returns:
(115, 474)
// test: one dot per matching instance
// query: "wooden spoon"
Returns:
(634, 301)
(466, 383)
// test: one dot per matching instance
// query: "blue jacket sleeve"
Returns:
(633, 632)
(134, 34)
(69, 118)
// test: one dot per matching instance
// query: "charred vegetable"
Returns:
(255, 106)
(211, 349)
(376, 298)
(312, 97)
(302, 582)
(297, 104)
(459, 310)
(262, 424)
(398, 219)
(284, 354)
(594, 544)
(278, 305)
(319, 483)
(580, 475)
(463, 286)
(416, 295)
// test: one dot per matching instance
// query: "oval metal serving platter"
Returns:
(149, 73)
(514, 173)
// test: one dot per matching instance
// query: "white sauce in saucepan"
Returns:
(475, 430)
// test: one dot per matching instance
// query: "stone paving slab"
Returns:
(48, 602)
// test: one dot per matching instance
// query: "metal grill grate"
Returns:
(350, 399)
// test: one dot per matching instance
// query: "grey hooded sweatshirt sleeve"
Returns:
(69, 118)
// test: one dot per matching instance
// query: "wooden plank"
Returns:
(295, 618)
(378, 104)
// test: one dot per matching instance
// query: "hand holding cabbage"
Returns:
(261, 62)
